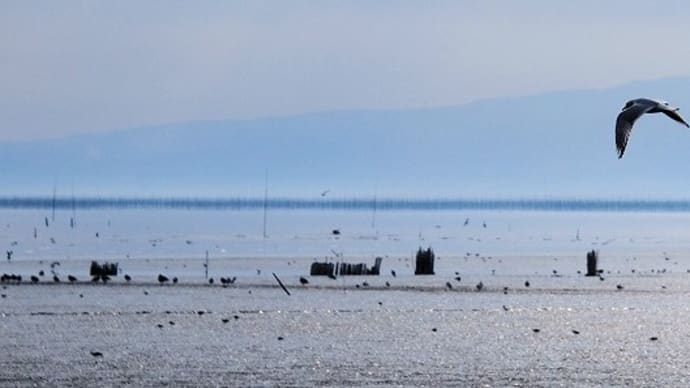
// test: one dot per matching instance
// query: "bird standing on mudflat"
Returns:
(632, 111)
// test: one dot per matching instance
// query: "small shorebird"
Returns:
(632, 111)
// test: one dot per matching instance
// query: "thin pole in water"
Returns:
(206, 265)
(54, 201)
(281, 284)
(73, 220)
(373, 216)
(265, 202)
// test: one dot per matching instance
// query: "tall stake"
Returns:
(54, 200)
(265, 201)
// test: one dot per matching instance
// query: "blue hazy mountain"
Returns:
(548, 145)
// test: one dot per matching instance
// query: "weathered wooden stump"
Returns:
(592, 259)
(322, 269)
(102, 271)
(425, 262)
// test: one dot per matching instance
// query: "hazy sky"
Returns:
(85, 66)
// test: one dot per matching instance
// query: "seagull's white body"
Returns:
(632, 111)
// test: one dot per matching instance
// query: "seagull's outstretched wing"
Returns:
(624, 124)
(675, 116)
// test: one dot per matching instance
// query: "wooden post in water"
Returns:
(592, 259)
(424, 264)
(281, 284)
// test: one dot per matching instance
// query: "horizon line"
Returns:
(344, 203)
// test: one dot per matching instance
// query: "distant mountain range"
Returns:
(549, 145)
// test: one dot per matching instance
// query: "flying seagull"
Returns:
(632, 111)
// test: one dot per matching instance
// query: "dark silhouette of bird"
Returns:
(97, 354)
(34, 279)
(458, 278)
(653, 338)
(619, 286)
(128, 278)
(479, 286)
(393, 273)
(175, 280)
(303, 280)
(467, 221)
(365, 284)
(162, 278)
(335, 232)
(576, 332)
(56, 279)
(210, 281)
(225, 320)
(71, 278)
(633, 110)
(536, 330)
(41, 273)
(527, 283)
(388, 284)
(449, 286)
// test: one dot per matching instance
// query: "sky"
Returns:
(72, 67)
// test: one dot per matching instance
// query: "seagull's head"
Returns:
(628, 104)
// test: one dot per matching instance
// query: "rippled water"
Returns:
(415, 332)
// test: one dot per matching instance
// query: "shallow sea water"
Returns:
(343, 336)
(415, 332)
